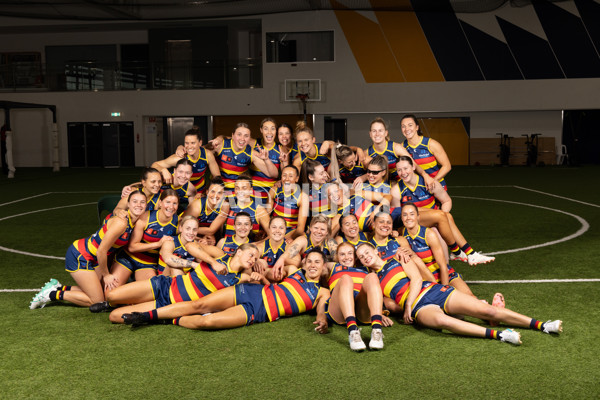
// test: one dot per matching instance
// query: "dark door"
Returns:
(76, 138)
(93, 144)
(110, 145)
(335, 129)
(126, 144)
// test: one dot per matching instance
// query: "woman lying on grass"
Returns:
(432, 304)
(249, 303)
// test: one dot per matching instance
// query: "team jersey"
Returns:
(383, 188)
(349, 175)
(88, 247)
(231, 163)
(270, 254)
(287, 207)
(310, 245)
(391, 157)
(152, 202)
(234, 209)
(261, 182)
(395, 284)
(317, 200)
(294, 295)
(202, 281)
(387, 249)
(206, 216)
(423, 156)
(199, 166)
(230, 245)
(182, 192)
(293, 153)
(419, 195)
(362, 238)
(356, 273)
(153, 232)
(321, 158)
(419, 245)
(180, 251)
(360, 207)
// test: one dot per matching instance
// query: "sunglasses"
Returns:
(370, 171)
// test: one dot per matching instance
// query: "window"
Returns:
(285, 47)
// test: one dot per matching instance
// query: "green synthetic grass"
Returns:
(65, 351)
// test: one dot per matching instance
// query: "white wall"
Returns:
(494, 106)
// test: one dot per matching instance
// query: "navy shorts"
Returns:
(331, 320)
(132, 265)
(75, 261)
(161, 289)
(249, 296)
(437, 295)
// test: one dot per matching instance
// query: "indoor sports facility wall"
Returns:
(386, 64)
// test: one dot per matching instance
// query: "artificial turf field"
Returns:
(62, 351)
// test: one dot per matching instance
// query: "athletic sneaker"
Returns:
(101, 307)
(43, 296)
(497, 302)
(356, 342)
(478, 258)
(510, 336)
(376, 342)
(553, 326)
(134, 319)
(460, 257)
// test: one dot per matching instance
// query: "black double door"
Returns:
(101, 144)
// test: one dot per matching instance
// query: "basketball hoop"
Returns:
(303, 97)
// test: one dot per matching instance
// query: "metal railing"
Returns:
(94, 76)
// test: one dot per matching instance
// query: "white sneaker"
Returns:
(510, 336)
(553, 326)
(356, 342)
(376, 342)
(43, 296)
(461, 257)
(478, 258)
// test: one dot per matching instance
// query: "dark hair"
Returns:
(241, 125)
(308, 168)
(410, 204)
(244, 177)
(292, 167)
(136, 191)
(405, 158)
(414, 118)
(382, 214)
(183, 161)
(168, 192)
(193, 132)
(242, 214)
(268, 119)
(274, 217)
(383, 163)
(148, 171)
(217, 180)
(318, 251)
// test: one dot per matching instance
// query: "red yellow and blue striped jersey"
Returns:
(418, 243)
(317, 200)
(261, 181)
(419, 195)
(180, 251)
(287, 207)
(386, 250)
(234, 209)
(231, 163)
(206, 216)
(360, 207)
(395, 284)
(88, 247)
(271, 255)
(293, 296)
(349, 175)
(423, 156)
(153, 232)
(182, 191)
(230, 246)
(391, 157)
(293, 153)
(362, 238)
(202, 281)
(323, 159)
(357, 274)
(199, 166)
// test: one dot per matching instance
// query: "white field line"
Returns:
(25, 198)
(557, 196)
(584, 225)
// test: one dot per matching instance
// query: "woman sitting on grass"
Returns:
(87, 260)
(432, 304)
(249, 303)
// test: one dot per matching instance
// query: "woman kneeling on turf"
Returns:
(429, 303)
(248, 303)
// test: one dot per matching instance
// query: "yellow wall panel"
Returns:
(370, 48)
(451, 133)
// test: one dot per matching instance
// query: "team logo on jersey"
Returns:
(227, 158)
